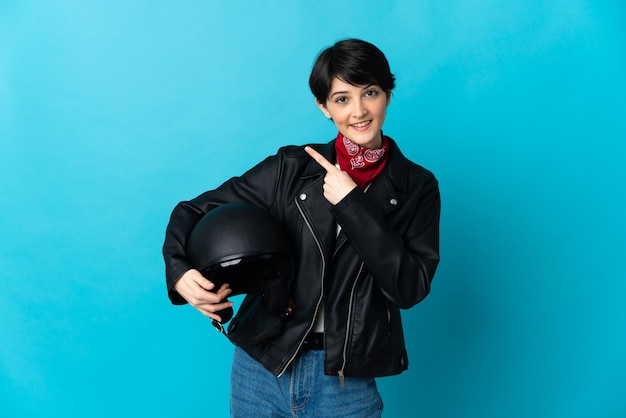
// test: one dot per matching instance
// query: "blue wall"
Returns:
(112, 112)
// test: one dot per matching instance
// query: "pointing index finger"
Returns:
(327, 165)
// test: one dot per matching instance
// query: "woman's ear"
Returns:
(322, 107)
(388, 97)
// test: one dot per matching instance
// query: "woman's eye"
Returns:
(341, 100)
(371, 93)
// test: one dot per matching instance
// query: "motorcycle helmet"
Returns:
(244, 246)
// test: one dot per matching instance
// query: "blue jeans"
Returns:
(302, 391)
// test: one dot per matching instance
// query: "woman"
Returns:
(364, 224)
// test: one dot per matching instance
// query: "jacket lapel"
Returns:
(315, 207)
(383, 193)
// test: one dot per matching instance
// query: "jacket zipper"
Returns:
(317, 307)
(345, 344)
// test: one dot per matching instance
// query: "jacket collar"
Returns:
(313, 169)
(397, 167)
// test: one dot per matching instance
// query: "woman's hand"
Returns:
(200, 293)
(337, 183)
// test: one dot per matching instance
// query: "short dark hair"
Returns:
(353, 61)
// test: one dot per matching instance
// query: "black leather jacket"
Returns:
(383, 259)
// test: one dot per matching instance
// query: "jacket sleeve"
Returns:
(403, 262)
(257, 186)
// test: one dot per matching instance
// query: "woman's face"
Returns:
(357, 111)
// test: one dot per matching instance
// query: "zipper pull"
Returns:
(341, 378)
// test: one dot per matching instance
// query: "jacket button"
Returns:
(303, 196)
(393, 202)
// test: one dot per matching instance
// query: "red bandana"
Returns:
(362, 164)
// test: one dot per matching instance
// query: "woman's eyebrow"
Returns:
(338, 92)
(367, 86)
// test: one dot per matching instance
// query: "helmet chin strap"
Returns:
(226, 315)
(218, 326)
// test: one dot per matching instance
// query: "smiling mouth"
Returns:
(361, 124)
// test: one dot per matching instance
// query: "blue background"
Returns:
(112, 112)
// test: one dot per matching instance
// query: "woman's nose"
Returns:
(359, 108)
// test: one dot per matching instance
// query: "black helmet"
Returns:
(244, 246)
